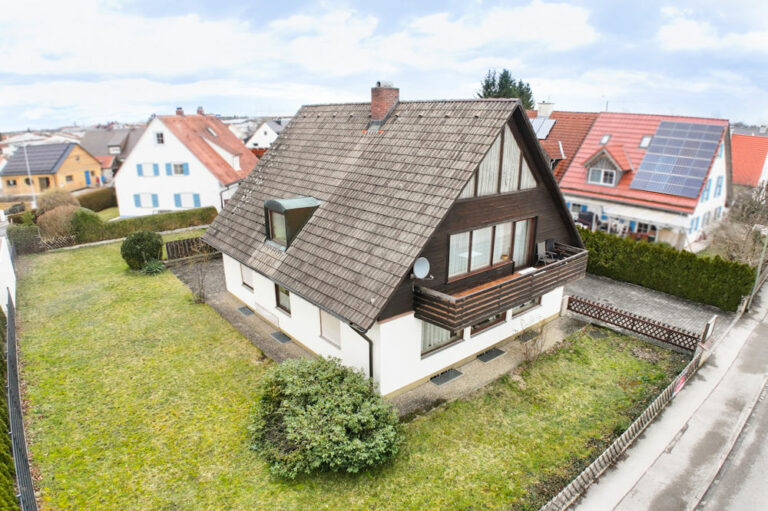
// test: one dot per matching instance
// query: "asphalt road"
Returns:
(742, 482)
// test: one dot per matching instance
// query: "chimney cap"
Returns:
(179, 110)
(384, 84)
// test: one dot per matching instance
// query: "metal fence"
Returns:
(656, 330)
(190, 247)
(26, 490)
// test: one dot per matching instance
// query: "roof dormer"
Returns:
(607, 165)
(285, 218)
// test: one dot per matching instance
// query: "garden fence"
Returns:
(26, 490)
(656, 330)
(190, 247)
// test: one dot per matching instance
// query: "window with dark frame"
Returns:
(524, 307)
(485, 247)
(68, 179)
(160, 138)
(434, 338)
(178, 169)
(283, 298)
(11, 182)
(277, 227)
(488, 322)
(246, 277)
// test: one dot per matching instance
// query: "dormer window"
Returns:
(284, 218)
(605, 139)
(645, 141)
(602, 177)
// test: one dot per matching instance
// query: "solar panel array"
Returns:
(678, 158)
(542, 126)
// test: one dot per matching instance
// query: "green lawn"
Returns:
(138, 399)
(109, 213)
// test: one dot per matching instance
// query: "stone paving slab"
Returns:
(652, 304)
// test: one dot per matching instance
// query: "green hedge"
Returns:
(98, 200)
(89, 227)
(25, 238)
(713, 281)
(7, 470)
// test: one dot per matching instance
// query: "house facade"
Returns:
(51, 166)
(181, 162)
(750, 160)
(266, 133)
(417, 235)
(111, 147)
(652, 177)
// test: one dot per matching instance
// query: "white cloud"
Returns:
(682, 33)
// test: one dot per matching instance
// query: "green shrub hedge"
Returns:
(317, 415)
(89, 227)
(713, 281)
(7, 469)
(98, 200)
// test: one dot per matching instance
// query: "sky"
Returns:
(94, 61)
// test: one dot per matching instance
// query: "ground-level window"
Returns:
(68, 179)
(524, 307)
(330, 328)
(434, 337)
(283, 298)
(488, 322)
(575, 208)
(27, 181)
(718, 212)
(10, 182)
(705, 219)
(246, 276)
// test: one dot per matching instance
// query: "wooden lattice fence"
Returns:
(656, 330)
(190, 247)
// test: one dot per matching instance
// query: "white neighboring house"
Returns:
(182, 162)
(266, 133)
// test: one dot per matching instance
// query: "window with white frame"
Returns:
(145, 200)
(114, 149)
(147, 169)
(247, 277)
(705, 219)
(330, 328)
(434, 337)
(602, 172)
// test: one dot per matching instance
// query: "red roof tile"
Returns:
(626, 130)
(193, 131)
(569, 130)
(748, 153)
(615, 152)
(105, 161)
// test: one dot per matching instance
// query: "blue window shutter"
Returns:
(154, 200)
(138, 169)
(156, 169)
(583, 208)
(177, 200)
(568, 205)
(197, 200)
(168, 169)
(137, 199)
(632, 225)
(697, 224)
(186, 169)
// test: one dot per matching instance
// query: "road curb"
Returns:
(729, 445)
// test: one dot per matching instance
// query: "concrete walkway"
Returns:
(671, 466)
(651, 304)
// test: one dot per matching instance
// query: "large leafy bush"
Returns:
(713, 281)
(57, 222)
(141, 247)
(53, 199)
(317, 415)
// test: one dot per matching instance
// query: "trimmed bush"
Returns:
(98, 200)
(713, 281)
(93, 231)
(317, 415)
(53, 199)
(87, 225)
(57, 222)
(141, 247)
(25, 238)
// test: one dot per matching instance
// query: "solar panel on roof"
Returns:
(678, 158)
(542, 126)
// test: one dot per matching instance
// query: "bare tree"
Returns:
(198, 265)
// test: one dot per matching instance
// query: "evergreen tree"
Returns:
(503, 85)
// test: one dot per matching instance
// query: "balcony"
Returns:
(470, 306)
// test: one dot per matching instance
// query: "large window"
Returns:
(145, 200)
(488, 246)
(283, 298)
(247, 277)
(434, 337)
(330, 328)
(503, 169)
(277, 227)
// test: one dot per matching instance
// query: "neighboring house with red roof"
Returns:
(560, 134)
(181, 162)
(656, 177)
(750, 161)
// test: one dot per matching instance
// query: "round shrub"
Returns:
(141, 247)
(317, 415)
(57, 221)
(53, 199)
(87, 225)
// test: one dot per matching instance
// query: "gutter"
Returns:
(367, 339)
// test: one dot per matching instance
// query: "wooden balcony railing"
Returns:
(471, 306)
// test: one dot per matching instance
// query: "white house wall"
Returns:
(709, 205)
(7, 274)
(147, 150)
(262, 137)
(400, 357)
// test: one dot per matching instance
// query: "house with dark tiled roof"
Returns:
(35, 169)
(750, 160)
(403, 237)
(181, 162)
(653, 177)
(111, 147)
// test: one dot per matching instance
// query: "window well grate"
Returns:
(280, 337)
(490, 355)
(445, 377)
(245, 311)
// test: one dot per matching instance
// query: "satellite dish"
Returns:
(421, 268)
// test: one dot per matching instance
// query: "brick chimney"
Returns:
(384, 97)
(200, 111)
(179, 110)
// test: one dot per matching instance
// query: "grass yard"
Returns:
(109, 213)
(138, 399)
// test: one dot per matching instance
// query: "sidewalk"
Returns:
(673, 463)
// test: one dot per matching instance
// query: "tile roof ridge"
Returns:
(409, 101)
(677, 116)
